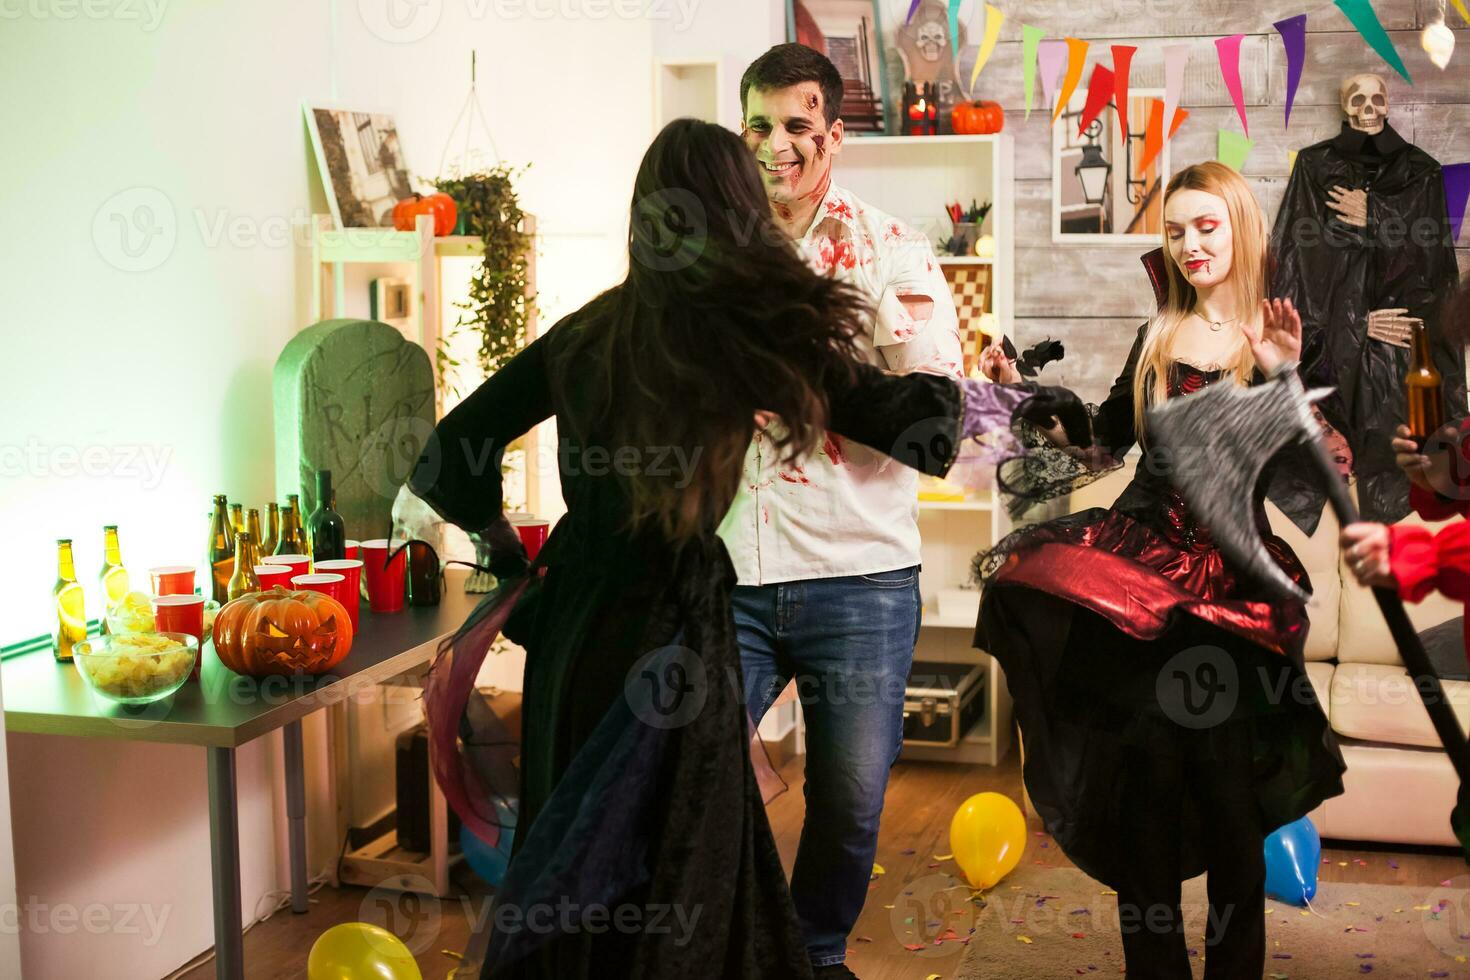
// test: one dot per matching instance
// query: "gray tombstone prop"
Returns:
(356, 398)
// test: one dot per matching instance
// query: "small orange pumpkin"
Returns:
(977, 118)
(281, 632)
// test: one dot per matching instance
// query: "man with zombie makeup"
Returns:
(1363, 248)
(827, 552)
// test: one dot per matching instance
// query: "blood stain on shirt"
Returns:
(833, 448)
(797, 476)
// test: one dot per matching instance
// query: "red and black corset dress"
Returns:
(1126, 630)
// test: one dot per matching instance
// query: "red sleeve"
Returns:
(1422, 562)
(1432, 507)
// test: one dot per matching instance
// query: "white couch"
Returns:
(1399, 786)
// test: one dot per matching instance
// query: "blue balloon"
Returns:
(1293, 854)
(486, 861)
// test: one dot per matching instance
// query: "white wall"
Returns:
(193, 111)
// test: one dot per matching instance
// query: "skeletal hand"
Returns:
(1351, 206)
(1366, 549)
(1391, 326)
(997, 367)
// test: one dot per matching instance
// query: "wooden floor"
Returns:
(921, 799)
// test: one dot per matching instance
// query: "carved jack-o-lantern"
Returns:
(281, 632)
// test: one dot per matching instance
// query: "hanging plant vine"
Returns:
(498, 305)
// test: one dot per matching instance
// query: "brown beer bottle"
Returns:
(244, 580)
(114, 577)
(69, 605)
(1423, 388)
(221, 551)
(272, 529)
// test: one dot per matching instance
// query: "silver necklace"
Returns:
(1215, 325)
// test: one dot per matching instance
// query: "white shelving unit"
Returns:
(912, 178)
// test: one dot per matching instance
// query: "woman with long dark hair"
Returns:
(642, 847)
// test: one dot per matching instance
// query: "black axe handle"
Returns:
(1426, 681)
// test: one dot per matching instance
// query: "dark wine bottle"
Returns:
(325, 528)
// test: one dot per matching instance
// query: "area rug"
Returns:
(1055, 922)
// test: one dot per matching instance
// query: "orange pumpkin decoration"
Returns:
(281, 632)
(978, 118)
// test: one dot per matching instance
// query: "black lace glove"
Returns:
(1048, 404)
(499, 548)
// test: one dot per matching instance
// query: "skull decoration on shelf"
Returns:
(1365, 103)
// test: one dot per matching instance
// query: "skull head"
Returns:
(1365, 103)
(933, 38)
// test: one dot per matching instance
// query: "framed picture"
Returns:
(1101, 193)
(391, 302)
(923, 45)
(360, 159)
(848, 32)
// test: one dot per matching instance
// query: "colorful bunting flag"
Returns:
(954, 31)
(1293, 31)
(1360, 12)
(1233, 148)
(1122, 66)
(1464, 11)
(1457, 195)
(1099, 90)
(1290, 161)
(1228, 49)
(1076, 59)
(1176, 56)
(1050, 55)
(1030, 41)
(913, 9)
(1153, 139)
(993, 19)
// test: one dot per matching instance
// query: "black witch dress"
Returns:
(1124, 631)
(638, 792)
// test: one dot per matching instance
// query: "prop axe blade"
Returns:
(1233, 431)
(1219, 441)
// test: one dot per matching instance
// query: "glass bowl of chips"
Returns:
(136, 668)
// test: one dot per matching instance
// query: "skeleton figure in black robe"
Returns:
(1362, 247)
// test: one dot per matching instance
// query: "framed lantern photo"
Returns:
(1104, 188)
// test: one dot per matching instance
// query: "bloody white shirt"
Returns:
(847, 509)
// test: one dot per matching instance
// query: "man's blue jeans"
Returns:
(849, 643)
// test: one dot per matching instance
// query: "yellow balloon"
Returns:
(987, 837)
(359, 951)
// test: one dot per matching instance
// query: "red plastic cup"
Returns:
(327, 584)
(351, 570)
(384, 578)
(299, 564)
(271, 576)
(533, 531)
(172, 579)
(353, 549)
(181, 614)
